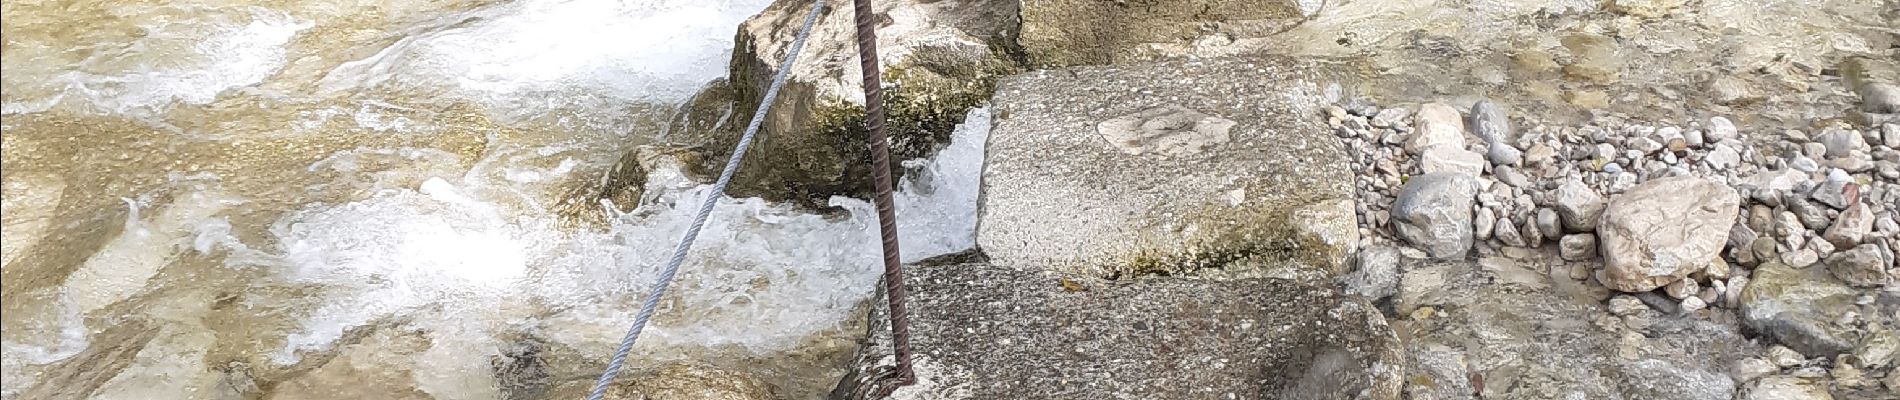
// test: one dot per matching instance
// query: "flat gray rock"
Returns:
(984, 331)
(1165, 168)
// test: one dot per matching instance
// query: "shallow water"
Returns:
(281, 199)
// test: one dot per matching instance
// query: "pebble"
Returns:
(1890, 135)
(1578, 247)
(1880, 97)
(1748, 369)
(1510, 176)
(1814, 150)
(1723, 157)
(1579, 206)
(1547, 223)
(1693, 137)
(1391, 116)
(1720, 129)
(1451, 159)
(1732, 298)
(1833, 193)
(1851, 226)
(1800, 258)
(1804, 164)
(1692, 304)
(1483, 222)
(1625, 305)
(1438, 125)
(1533, 236)
(1682, 288)
(1785, 357)
(1489, 122)
(1503, 154)
(1507, 233)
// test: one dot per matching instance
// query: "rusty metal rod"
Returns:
(880, 148)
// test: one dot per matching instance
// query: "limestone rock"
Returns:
(1841, 142)
(1664, 229)
(1378, 274)
(1787, 387)
(1578, 247)
(1489, 122)
(1862, 266)
(1721, 129)
(1797, 308)
(1437, 124)
(1880, 97)
(1057, 192)
(678, 381)
(1851, 227)
(948, 54)
(973, 322)
(1433, 211)
(1647, 8)
(1060, 33)
(1451, 159)
(1580, 207)
(1326, 229)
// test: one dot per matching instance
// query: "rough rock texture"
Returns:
(1788, 387)
(1862, 266)
(1798, 308)
(1378, 274)
(1580, 207)
(1433, 212)
(1059, 33)
(1063, 188)
(673, 382)
(1509, 332)
(1157, 338)
(1439, 125)
(939, 58)
(1661, 230)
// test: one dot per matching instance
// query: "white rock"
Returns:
(1721, 129)
(1451, 159)
(1692, 304)
(1438, 125)
(1663, 230)
(1785, 357)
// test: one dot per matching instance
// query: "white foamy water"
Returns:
(527, 57)
(187, 60)
(460, 252)
(444, 257)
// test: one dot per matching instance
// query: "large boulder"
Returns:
(1216, 167)
(1662, 230)
(1433, 212)
(1088, 32)
(1798, 308)
(939, 59)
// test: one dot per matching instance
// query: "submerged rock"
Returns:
(1664, 229)
(1798, 308)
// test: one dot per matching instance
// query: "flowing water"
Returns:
(284, 199)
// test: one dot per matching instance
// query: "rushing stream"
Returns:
(288, 200)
